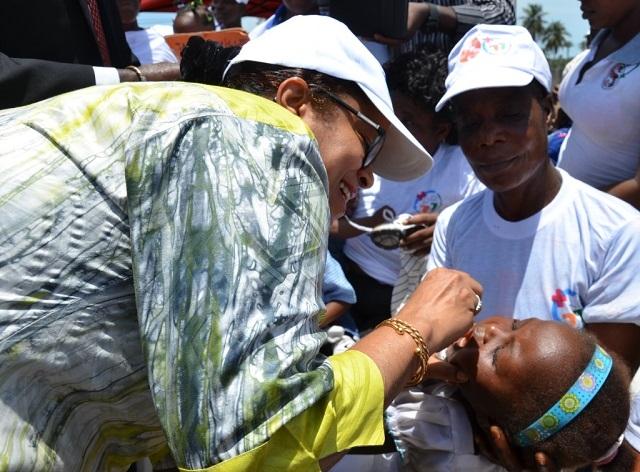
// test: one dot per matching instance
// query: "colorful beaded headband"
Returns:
(572, 403)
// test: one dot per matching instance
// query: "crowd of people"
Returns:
(317, 251)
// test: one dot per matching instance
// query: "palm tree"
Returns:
(534, 20)
(555, 37)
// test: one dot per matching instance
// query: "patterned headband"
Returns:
(572, 403)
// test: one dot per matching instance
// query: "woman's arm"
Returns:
(441, 309)
(455, 19)
(628, 190)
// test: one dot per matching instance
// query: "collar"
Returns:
(627, 54)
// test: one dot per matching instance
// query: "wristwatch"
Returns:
(432, 23)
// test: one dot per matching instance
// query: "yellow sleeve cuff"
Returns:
(350, 415)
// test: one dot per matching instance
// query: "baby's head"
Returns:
(192, 18)
(550, 387)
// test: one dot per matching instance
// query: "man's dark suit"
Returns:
(58, 31)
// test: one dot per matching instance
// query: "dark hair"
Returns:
(594, 431)
(205, 62)
(198, 10)
(421, 76)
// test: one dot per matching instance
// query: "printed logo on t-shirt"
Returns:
(493, 46)
(566, 307)
(427, 202)
(618, 71)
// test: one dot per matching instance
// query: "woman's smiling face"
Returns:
(343, 140)
(503, 133)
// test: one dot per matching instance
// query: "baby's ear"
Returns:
(544, 463)
(505, 452)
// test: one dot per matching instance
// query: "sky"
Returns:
(566, 11)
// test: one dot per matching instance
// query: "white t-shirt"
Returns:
(579, 255)
(576, 260)
(449, 180)
(149, 46)
(603, 146)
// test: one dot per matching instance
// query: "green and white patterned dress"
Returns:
(161, 247)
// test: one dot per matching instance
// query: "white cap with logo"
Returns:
(495, 56)
(326, 45)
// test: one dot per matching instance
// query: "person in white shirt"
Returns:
(416, 81)
(601, 94)
(147, 44)
(542, 243)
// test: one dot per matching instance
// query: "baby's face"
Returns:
(506, 358)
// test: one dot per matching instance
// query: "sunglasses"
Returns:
(372, 149)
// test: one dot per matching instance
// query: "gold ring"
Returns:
(478, 304)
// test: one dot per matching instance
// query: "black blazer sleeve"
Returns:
(24, 81)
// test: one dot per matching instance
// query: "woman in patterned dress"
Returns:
(161, 254)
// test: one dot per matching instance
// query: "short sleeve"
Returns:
(613, 297)
(471, 13)
(350, 415)
(438, 255)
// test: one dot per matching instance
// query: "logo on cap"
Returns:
(493, 46)
(496, 47)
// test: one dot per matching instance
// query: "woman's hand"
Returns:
(442, 307)
(442, 370)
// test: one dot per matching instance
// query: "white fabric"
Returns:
(369, 463)
(412, 271)
(450, 180)
(326, 45)
(603, 146)
(260, 28)
(494, 56)
(580, 254)
(106, 75)
(432, 433)
(149, 46)
(576, 260)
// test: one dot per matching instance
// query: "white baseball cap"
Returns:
(495, 56)
(326, 45)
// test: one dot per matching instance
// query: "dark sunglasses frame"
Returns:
(371, 150)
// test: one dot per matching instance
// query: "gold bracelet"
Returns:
(141, 77)
(422, 351)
